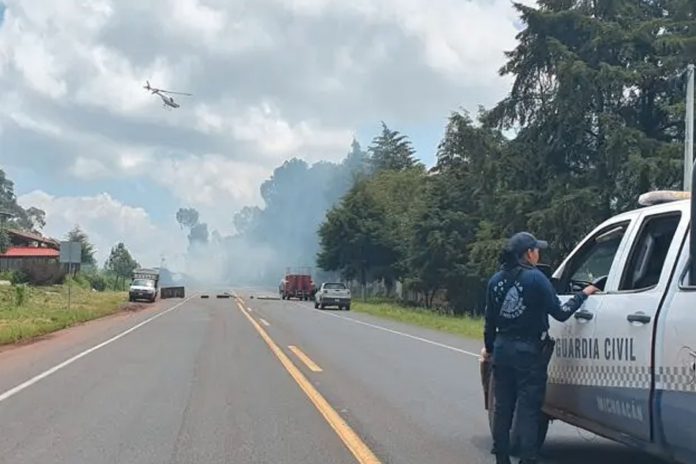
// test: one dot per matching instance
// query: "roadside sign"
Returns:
(70, 252)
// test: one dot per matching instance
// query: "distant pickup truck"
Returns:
(333, 294)
(144, 286)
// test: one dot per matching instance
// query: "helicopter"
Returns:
(165, 95)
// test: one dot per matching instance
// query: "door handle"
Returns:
(639, 317)
(584, 315)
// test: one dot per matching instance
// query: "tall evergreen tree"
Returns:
(391, 150)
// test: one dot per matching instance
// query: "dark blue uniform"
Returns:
(518, 302)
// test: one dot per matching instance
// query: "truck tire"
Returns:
(347, 307)
(514, 433)
(316, 305)
(322, 306)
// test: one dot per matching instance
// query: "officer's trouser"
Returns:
(519, 375)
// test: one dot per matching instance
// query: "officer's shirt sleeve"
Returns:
(549, 299)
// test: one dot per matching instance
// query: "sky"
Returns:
(271, 80)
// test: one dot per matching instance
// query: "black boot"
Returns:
(502, 459)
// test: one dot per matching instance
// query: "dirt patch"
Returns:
(133, 307)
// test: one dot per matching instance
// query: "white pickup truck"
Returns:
(625, 364)
(333, 294)
(144, 286)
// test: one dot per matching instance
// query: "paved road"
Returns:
(196, 382)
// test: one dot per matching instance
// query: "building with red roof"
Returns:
(29, 249)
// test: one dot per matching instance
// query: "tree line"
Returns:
(594, 118)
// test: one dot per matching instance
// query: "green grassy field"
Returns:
(465, 326)
(44, 310)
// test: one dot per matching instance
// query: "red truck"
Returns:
(297, 284)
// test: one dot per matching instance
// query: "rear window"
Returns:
(335, 286)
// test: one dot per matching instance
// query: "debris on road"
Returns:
(133, 307)
(172, 292)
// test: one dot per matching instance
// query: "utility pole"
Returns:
(689, 142)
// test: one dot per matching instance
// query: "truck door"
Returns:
(675, 365)
(621, 368)
(575, 362)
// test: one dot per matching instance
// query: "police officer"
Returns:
(518, 301)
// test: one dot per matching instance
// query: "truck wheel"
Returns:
(514, 433)
(316, 305)
(347, 307)
(322, 306)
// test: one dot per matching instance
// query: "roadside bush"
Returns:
(18, 277)
(79, 280)
(20, 295)
(7, 275)
(39, 274)
(97, 282)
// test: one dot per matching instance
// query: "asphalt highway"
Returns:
(250, 380)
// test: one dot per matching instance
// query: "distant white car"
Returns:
(333, 294)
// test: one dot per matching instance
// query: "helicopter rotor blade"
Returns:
(175, 93)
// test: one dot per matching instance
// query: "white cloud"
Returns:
(271, 79)
(215, 185)
(40, 125)
(199, 19)
(89, 168)
(107, 222)
(274, 136)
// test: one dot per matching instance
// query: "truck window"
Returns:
(647, 258)
(594, 260)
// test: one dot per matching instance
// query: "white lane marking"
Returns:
(403, 334)
(264, 322)
(13, 391)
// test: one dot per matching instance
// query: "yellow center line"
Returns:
(353, 442)
(305, 359)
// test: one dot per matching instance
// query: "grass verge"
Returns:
(44, 310)
(459, 325)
